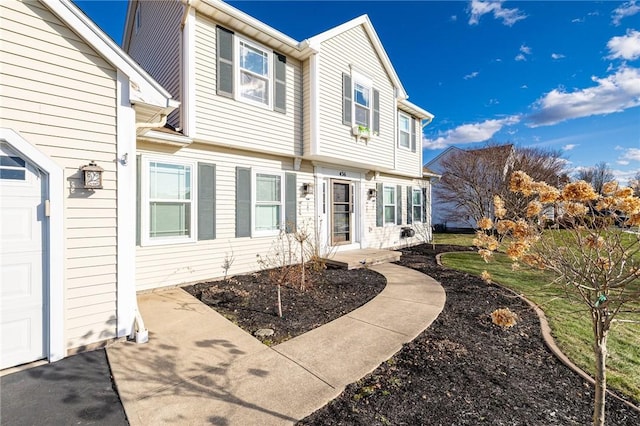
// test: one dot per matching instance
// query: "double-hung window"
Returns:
(362, 104)
(417, 205)
(254, 73)
(404, 130)
(389, 204)
(167, 196)
(268, 203)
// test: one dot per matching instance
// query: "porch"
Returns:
(353, 259)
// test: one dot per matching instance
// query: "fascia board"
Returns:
(146, 89)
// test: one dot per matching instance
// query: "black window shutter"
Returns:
(243, 202)
(424, 206)
(399, 205)
(206, 201)
(290, 203)
(224, 64)
(138, 199)
(376, 111)
(347, 96)
(413, 135)
(379, 204)
(280, 83)
(409, 205)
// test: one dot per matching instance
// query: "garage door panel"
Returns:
(23, 334)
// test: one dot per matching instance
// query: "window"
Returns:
(268, 218)
(136, 20)
(168, 213)
(362, 104)
(404, 131)
(12, 168)
(389, 202)
(254, 73)
(417, 206)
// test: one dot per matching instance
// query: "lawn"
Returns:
(570, 322)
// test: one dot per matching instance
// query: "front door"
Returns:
(22, 224)
(341, 212)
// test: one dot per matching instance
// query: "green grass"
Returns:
(454, 239)
(570, 322)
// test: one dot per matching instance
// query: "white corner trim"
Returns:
(55, 254)
(189, 74)
(126, 214)
(314, 100)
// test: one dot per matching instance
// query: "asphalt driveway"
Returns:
(74, 391)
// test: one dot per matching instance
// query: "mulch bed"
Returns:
(251, 300)
(462, 370)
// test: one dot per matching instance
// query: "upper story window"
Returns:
(137, 22)
(249, 72)
(254, 73)
(360, 103)
(404, 130)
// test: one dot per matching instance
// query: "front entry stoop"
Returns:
(361, 258)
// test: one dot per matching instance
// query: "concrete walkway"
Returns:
(199, 368)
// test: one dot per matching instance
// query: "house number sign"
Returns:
(342, 173)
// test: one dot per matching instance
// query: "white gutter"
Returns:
(155, 125)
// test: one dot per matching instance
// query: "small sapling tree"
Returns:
(597, 264)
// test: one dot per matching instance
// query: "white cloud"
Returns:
(569, 146)
(524, 86)
(626, 46)
(469, 133)
(472, 75)
(630, 154)
(453, 18)
(477, 8)
(524, 50)
(557, 56)
(577, 20)
(614, 93)
(629, 8)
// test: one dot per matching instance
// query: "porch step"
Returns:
(353, 259)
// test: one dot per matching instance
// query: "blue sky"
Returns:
(563, 75)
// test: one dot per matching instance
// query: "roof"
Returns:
(143, 88)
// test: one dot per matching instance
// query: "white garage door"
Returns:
(22, 232)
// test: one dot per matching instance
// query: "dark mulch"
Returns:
(251, 300)
(462, 370)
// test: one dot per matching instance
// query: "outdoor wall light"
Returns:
(307, 188)
(92, 174)
(371, 193)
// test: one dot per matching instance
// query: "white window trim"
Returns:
(408, 133)
(418, 190)
(384, 206)
(269, 233)
(357, 78)
(237, 71)
(145, 226)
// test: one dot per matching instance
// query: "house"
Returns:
(271, 133)
(471, 170)
(70, 96)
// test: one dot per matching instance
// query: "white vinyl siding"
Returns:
(60, 95)
(176, 264)
(229, 122)
(156, 46)
(349, 50)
